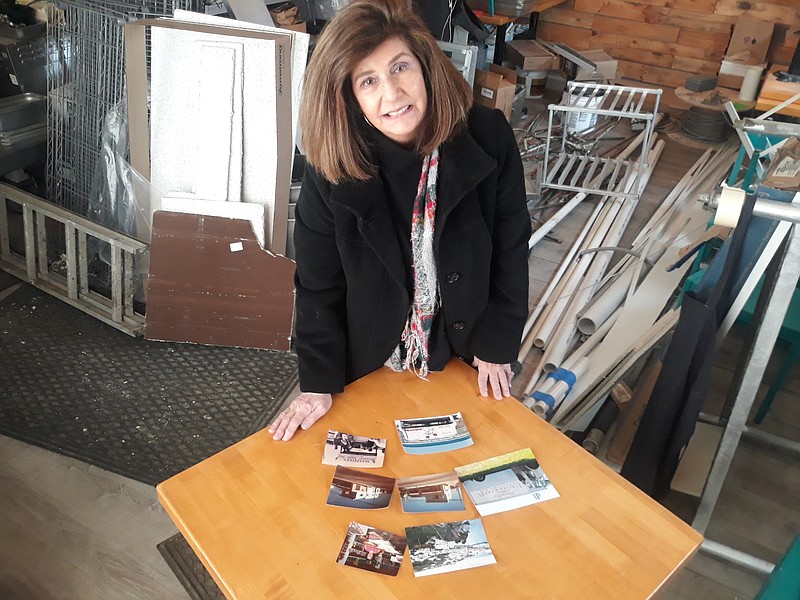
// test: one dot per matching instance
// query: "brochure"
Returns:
(354, 489)
(372, 549)
(506, 482)
(445, 547)
(433, 434)
(431, 493)
(353, 450)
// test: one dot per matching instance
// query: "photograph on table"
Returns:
(353, 450)
(440, 492)
(506, 482)
(433, 434)
(445, 547)
(354, 489)
(372, 549)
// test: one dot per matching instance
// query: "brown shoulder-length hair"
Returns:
(330, 117)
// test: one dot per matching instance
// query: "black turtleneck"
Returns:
(400, 169)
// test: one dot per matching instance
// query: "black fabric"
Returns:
(669, 418)
(441, 15)
(189, 570)
(146, 410)
(352, 299)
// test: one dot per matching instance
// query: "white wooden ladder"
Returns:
(116, 309)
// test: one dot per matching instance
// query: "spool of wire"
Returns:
(705, 125)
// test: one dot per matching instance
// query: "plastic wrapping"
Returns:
(327, 9)
(119, 196)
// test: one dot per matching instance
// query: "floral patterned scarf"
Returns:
(414, 340)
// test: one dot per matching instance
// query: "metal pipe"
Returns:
(737, 557)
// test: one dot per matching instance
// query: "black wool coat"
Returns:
(351, 296)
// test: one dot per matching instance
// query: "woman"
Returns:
(411, 227)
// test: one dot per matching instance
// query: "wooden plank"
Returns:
(573, 18)
(72, 261)
(640, 55)
(621, 9)
(692, 65)
(697, 20)
(5, 244)
(664, 33)
(774, 92)
(574, 37)
(650, 74)
(765, 11)
(711, 40)
(701, 6)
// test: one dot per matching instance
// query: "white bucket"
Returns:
(579, 121)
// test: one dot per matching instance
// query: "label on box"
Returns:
(788, 167)
(487, 93)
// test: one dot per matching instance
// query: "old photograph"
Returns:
(354, 489)
(353, 450)
(445, 547)
(372, 549)
(440, 492)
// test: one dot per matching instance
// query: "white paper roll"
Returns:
(750, 83)
(729, 208)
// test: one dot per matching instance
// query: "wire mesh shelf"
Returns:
(585, 107)
(86, 82)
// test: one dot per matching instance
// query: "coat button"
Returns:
(452, 277)
(458, 325)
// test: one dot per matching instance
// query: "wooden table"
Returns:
(256, 515)
(501, 22)
(773, 92)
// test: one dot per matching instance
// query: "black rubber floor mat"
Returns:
(188, 569)
(143, 409)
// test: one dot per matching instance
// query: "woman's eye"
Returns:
(367, 81)
(400, 67)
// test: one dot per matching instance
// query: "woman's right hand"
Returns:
(303, 412)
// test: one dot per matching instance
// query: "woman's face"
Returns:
(390, 89)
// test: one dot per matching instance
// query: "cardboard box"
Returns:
(286, 15)
(495, 88)
(748, 46)
(528, 55)
(750, 40)
(784, 172)
(606, 67)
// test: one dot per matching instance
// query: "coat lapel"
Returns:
(463, 164)
(367, 201)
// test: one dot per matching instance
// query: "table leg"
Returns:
(500, 43)
(533, 25)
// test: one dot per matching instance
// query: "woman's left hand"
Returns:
(494, 375)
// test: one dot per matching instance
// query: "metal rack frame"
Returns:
(592, 174)
(779, 286)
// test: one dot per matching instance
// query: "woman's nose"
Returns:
(391, 89)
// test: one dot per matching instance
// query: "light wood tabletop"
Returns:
(257, 517)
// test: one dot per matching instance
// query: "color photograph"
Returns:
(446, 547)
(431, 493)
(506, 482)
(433, 434)
(353, 450)
(354, 489)
(372, 549)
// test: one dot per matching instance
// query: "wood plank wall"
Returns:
(663, 41)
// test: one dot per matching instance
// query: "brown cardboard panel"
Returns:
(211, 283)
